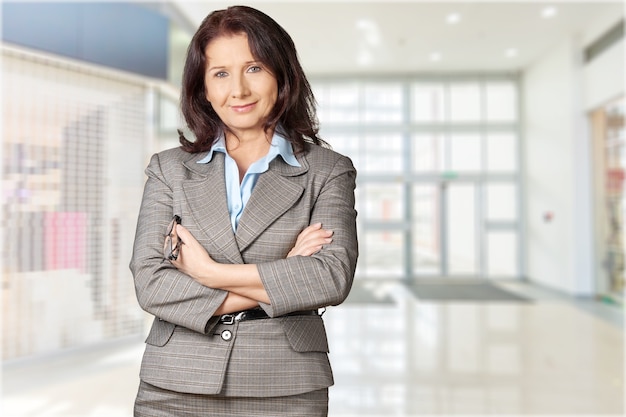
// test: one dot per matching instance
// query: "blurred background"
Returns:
(489, 143)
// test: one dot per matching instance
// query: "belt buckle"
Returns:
(232, 318)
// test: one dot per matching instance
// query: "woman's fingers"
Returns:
(192, 258)
(311, 240)
(309, 230)
(183, 234)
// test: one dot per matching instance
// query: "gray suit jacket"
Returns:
(285, 355)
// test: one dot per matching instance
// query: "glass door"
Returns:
(461, 231)
(465, 229)
(428, 229)
(445, 229)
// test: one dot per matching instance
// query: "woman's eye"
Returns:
(254, 68)
(221, 74)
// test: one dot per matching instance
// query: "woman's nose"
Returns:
(240, 87)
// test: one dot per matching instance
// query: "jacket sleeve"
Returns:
(325, 278)
(161, 289)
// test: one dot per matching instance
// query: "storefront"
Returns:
(610, 199)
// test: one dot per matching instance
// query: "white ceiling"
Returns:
(399, 37)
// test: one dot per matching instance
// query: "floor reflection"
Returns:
(395, 354)
(415, 357)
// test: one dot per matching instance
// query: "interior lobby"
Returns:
(487, 139)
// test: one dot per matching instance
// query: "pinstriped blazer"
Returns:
(283, 355)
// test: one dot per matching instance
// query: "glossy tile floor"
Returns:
(395, 355)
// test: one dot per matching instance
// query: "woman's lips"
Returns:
(243, 109)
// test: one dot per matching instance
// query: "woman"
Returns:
(260, 233)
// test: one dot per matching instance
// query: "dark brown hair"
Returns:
(293, 114)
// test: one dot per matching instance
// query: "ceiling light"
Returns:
(369, 31)
(435, 56)
(453, 18)
(510, 53)
(548, 12)
(365, 24)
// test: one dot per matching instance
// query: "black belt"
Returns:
(257, 314)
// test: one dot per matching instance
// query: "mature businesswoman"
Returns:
(259, 227)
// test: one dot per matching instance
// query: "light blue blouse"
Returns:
(238, 194)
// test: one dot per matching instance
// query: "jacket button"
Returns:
(227, 335)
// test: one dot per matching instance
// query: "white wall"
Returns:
(548, 146)
(558, 92)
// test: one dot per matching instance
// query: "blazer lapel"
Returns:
(274, 194)
(206, 196)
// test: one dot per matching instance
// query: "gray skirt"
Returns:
(152, 401)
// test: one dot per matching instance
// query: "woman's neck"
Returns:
(247, 148)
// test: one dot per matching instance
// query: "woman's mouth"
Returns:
(243, 108)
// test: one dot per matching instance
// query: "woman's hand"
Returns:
(311, 240)
(193, 259)
(241, 279)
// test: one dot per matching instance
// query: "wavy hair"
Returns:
(294, 115)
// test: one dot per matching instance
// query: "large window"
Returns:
(438, 172)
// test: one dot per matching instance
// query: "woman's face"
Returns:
(240, 89)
